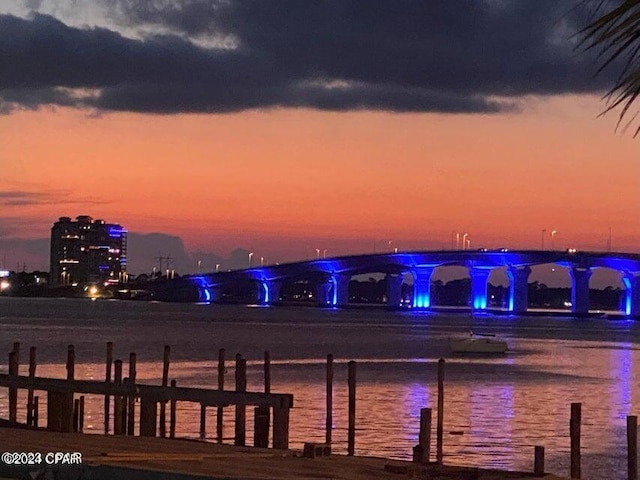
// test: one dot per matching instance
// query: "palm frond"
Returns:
(616, 34)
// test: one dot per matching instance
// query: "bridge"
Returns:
(331, 277)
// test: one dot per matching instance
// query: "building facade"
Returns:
(85, 250)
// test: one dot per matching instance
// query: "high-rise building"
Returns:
(87, 251)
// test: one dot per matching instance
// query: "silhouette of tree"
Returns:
(616, 34)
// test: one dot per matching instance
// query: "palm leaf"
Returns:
(617, 35)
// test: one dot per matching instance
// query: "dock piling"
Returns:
(421, 452)
(351, 434)
(267, 372)
(440, 420)
(329, 408)
(241, 412)
(172, 414)
(220, 410)
(538, 461)
(574, 432)
(118, 401)
(281, 424)
(107, 378)
(632, 447)
(131, 407)
(165, 382)
(13, 392)
(32, 374)
(203, 421)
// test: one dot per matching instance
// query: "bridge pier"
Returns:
(580, 289)
(394, 290)
(333, 291)
(631, 306)
(519, 289)
(479, 277)
(269, 292)
(340, 290)
(422, 287)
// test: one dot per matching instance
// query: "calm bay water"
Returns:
(501, 406)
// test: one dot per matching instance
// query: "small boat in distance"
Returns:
(478, 343)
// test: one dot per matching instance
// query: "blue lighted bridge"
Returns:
(331, 277)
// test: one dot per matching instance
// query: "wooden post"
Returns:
(421, 451)
(71, 362)
(241, 413)
(267, 372)
(203, 421)
(107, 378)
(16, 349)
(68, 407)
(538, 461)
(172, 414)
(351, 435)
(118, 401)
(220, 410)
(131, 407)
(281, 425)
(632, 447)
(329, 414)
(261, 419)
(81, 414)
(574, 431)
(32, 374)
(440, 424)
(76, 415)
(148, 409)
(13, 392)
(165, 382)
(35, 411)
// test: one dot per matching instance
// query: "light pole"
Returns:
(262, 261)
(468, 243)
(217, 267)
(317, 253)
(553, 234)
(250, 258)
(324, 253)
(464, 241)
(199, 264)
(544, 230)
(454, 234)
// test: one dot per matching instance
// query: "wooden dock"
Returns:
(145, 458)
(65, 401)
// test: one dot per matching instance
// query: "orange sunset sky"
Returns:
(283, 180)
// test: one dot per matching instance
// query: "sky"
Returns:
(283, 127)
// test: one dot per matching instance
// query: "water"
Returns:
(497, 408)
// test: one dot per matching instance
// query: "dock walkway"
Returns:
(147, 458)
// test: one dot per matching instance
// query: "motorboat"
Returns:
(478, 343)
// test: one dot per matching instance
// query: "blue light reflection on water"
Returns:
(553, 362)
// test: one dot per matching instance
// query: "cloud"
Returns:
(232, 55)
(20, 198)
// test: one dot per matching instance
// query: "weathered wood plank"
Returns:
(210, 398)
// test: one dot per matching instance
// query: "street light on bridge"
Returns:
(553, 234)
(464, 241)
(250, 258)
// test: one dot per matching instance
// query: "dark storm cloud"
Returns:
(401, 55)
